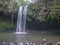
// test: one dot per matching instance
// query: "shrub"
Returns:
(5, 26)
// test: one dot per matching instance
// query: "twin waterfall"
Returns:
(21, 21)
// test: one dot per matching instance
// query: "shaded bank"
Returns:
(43, 26)
(53, 27)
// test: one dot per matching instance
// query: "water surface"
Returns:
(32, 36)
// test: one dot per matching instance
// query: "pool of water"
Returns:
(32, 36)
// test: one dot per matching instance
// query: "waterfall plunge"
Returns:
(21, 21)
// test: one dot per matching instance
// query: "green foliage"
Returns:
(10, 7)
(52, 12)
(34, 11)
(55, 11)
(5, 26)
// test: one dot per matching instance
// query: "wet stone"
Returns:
(20, 43)
(58, 43)
(27, 43)
(11, 43)
(49, 44)
(31, 43)
(34, 44)
(44, 42)
(3, 43)
(0, 43)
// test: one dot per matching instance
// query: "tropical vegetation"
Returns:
(43, 12)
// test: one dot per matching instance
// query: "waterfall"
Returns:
(21, 21)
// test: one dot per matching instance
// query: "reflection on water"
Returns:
(30, 37)
(19, 38)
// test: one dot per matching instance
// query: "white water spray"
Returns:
(21, 21)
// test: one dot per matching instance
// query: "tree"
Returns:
(44, 10)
